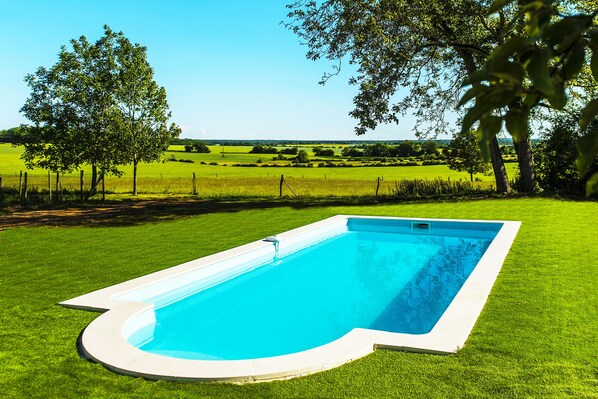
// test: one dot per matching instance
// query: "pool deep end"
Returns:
(143, 332)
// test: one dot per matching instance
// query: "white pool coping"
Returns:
(105, 339)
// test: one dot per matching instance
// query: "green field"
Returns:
(225, 180)
(536, 337)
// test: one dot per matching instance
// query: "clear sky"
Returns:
(230, 69)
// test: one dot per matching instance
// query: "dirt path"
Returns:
(109, 214)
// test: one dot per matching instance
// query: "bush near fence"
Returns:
(423, 188)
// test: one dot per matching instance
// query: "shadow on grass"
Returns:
(150, 211)
(128, 213)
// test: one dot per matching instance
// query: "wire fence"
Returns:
(37, 189)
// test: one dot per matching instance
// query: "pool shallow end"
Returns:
(105, 339)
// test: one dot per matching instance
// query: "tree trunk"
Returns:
(471, 176)
(526, 165)
(135, 177)
(94, 182)
(500, 173)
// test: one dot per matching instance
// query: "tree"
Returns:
(97, 106)
(301, 157)
(465, 154)
(144, 115)
(547, 66)
(556, 156)
(426, 46)
(323, 152)
(376, 150)
(201, 147)
(406, 149)
(72, 109)
(351, 151)
(263, 149)
(430, 147)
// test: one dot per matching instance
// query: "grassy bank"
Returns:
(535, 338)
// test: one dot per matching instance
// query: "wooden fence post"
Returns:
(281, 181)
(378, 186)
(194, 184)
(25, 186)
(20, 183)
(49, 187)
(81, 186)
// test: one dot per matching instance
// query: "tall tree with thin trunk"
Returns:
(465, 155)
(72, 109)
(425, 46)
(97, 106)
(144, 115)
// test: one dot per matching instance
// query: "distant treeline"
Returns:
(282, 143)
(7, 134)
(290, 143)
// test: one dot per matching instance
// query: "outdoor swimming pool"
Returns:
(303, 301)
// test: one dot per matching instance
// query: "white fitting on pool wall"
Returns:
(129, 308)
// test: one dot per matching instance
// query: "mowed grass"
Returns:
(214, 181)
(536, 337)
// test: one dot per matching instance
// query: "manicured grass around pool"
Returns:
(535, 338)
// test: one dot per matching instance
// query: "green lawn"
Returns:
(537, 335)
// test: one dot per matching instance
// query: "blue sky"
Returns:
(229, 68)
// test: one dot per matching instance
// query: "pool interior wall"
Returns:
(133, 306)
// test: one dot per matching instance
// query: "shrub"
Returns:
(420, 188)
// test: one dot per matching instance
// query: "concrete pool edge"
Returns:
(105, 341)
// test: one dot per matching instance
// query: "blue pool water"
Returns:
(378, 275)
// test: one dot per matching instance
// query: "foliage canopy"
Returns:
(99, 106)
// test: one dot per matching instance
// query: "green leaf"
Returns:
(592, 185)
(509, 71)
(480, 109)
(471, 93)
(531, 99)
(503, 52)
(588, 114)
(476, 77)
(498, 5)
(489, 126)
(539, 72)
(574, 62)
(516, 121)
(559, 99)
(587, 147)
(594, 64)
(567, 31)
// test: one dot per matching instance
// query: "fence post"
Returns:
(81, 186)
(281, 181)
(25, 186)
(194, 184)
(378, 186)
(20, 183)
(49, 187)
(103, 187)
